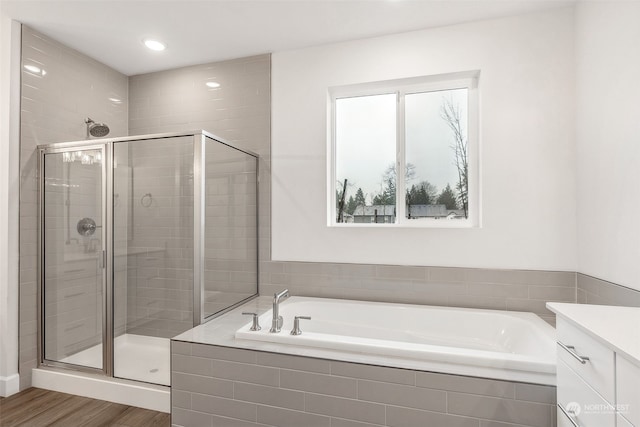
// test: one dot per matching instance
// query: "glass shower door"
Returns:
(72, 263)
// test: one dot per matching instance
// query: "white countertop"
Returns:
(616, 327)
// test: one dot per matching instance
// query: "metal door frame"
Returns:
(105, 149)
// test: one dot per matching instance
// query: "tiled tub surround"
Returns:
(515, 290)
(214, 384)
(591, 290)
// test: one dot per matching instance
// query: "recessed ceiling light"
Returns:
(154, 44)
(212, 84)
(115, 100)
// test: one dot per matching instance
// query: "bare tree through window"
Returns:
(450, 112)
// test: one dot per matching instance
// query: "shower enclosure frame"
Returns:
(106, 145)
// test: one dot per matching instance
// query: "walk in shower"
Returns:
(141, 238)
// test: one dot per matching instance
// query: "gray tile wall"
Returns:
(591, 290)
(53, 109)
(220, 386)
(518, 290)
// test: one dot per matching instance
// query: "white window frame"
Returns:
(402, 87)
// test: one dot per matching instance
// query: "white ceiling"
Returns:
(204, 31)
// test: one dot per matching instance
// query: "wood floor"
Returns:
(36, 407)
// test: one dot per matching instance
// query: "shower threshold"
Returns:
(136, 357)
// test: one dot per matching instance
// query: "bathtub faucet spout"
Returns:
(276, 323)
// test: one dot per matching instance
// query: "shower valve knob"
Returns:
(255, 326)
(86, 227)
(296, 324)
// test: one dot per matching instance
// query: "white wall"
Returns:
(527, 137)
(9, 148)
(608, 140)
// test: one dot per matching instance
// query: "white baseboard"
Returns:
(9, 385)
(148, 396)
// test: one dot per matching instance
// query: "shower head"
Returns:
(96, 130)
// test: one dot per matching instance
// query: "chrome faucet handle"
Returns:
(255, 326)
(296, 324)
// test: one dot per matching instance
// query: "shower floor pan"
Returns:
(136, 357)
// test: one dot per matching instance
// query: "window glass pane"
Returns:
(436, 154)
(365, 158)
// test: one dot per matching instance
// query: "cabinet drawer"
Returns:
(628, 389)
(573, 392)
(598, 371)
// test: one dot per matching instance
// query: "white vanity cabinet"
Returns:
(598, 365)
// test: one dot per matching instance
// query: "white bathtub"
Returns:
(487, 343)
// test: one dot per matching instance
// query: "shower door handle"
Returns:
(102, 261)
